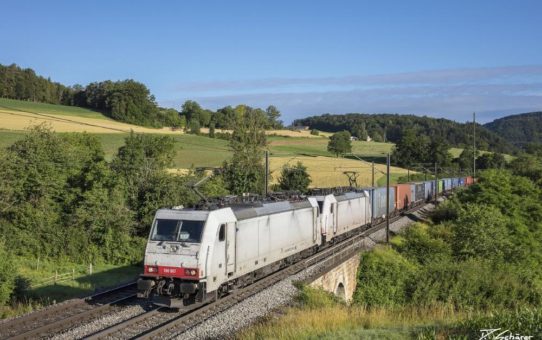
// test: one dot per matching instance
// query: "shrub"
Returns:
(316, 298)
(526, 321)
(7, 274)
(295, 178)
(480, 231)
(419, 245)
(446, 211)
(384, 276)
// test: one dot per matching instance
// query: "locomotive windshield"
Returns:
(177, 230)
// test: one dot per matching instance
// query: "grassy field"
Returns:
(329, 171)
(344, 322)
(457, 151)
(32, 107)
(82, 284)
(318, 315)
(280, 146)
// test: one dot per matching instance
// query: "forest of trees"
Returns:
(390, 127)
(61, 200)
(520, 129)
(126, 100)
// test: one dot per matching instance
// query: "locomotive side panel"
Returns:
(267, 239)
(352, 212)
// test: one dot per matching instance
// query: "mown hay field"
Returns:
(329, 171)
(19, 121)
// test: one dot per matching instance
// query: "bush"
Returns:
(316, 298)
(7, 274)
(315, 132)
(295, 178)
(447, 211)
(474, 284)
(526, 321)
(480, 231)
(22, 286)
(383, 279)
(419, 245)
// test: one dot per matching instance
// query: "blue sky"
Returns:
(435, 58)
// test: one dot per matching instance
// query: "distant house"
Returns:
(299, 127)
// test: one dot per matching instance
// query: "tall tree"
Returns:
(245, 172)
(340, 143)
(191, 110)
(273, 115)
(411, 149)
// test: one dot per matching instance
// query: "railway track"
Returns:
(162, 323)
(63, 316)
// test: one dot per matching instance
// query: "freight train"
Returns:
(194, 255)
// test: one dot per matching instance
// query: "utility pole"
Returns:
(373, 177)
(473, 144)
(266, 172)
(388, 199)
(436, 182)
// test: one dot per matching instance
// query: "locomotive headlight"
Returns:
(190, 272)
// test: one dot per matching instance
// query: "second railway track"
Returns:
(60, 317)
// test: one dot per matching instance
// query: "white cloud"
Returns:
(453, 94)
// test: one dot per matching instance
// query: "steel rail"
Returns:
(62, 316)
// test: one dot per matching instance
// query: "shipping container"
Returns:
(403, 196)
(462, 182)
(469, 180)
(447, 184)
(429, 185)
(455, 182)
(378, 201)
(354, 210)
(419, 195)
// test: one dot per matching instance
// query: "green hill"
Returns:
(44, 108)
(389, 127)
(519, 129)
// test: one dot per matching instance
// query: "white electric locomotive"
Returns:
(195, 255)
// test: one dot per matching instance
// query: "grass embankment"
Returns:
(319, 315)
(79, 282)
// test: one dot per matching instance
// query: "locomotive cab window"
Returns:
(222, 232)
(177, 230)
